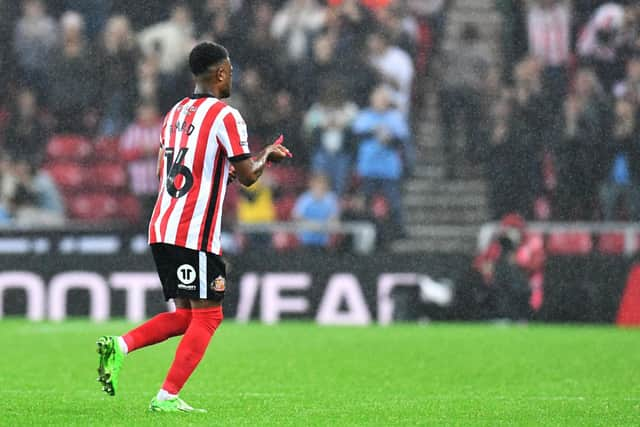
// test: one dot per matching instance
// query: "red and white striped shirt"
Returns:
(199, 135)
(139, 147)
(549, 30)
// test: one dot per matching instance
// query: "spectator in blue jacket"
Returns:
(383, 135)
(317, 205)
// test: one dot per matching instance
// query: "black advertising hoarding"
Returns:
(53, 276)
(266, 286)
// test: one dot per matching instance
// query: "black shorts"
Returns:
(190, 274)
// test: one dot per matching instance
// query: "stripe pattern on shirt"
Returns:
(211, 132)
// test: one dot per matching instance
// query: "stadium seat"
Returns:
(284, 207)
(611, 243)
(129, 209)
(380, 207)
(569, 243)
(107, 148)
(68, 176)
(284, 241)
(69, 147)
(93, 207)
(108, 176)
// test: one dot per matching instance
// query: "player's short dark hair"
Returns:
(206, 54)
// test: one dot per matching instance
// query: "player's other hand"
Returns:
(277, 151)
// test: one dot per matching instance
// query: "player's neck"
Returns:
(203, 90)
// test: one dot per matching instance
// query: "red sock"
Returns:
(158, 329)
(204, 323)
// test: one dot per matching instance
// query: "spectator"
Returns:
(72, 88)
(549, 25)
(31, 196)
(253, 96)
(148, 80)
(139, 147)
(284, 118)
(295, 24)
(258, 50)
(435, 14)
(512, 42)
(328, 128)
(466, 69)
(581, 150)
(317, 206)
(503, 166)
(117, 52)
(34, 40)
(383, 135)
(603, 40)
(255, 206)
(401, 27)
(170, 40)
(624, 171)
(629, 88)
(514, 259)
(26, 137)
(394, 67)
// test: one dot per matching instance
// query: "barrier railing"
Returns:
(363, 232)
(630, 231)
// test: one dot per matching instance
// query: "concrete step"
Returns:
(446, 187)
(451, 201)
(452, 246)
(442, 231)
(474, 5)
(443, 216)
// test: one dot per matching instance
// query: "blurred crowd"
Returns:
(556, 123)
(335, 77)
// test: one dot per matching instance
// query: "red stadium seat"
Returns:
(284, 241)
(284, 207)
(107, 148)
(380, 207)
(69, 147)
(611, 243)
(569, 243)
(68, 176)
(93, 207)
(129, 209)
(108, 176)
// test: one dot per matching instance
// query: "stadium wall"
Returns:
(56, 277)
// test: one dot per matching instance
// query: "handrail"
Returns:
(364, 232)
(630, 230)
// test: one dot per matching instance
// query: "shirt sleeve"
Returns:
(233, 136)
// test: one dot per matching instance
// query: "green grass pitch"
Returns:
(300, 374)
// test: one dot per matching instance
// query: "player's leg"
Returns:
(206, 316)
(112, 349)
(159, 328)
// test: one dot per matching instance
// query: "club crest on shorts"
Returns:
(218, 284)
(186, 274)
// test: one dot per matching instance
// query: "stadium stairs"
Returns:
(445, 215)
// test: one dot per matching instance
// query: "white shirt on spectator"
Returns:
(173, 40)
(139, 145)
(396, 65)
(609, 16)
(548, 30)
(295, 23)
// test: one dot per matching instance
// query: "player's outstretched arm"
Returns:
(248, 171)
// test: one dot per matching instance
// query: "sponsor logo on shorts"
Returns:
(218, 284)
(187, 287)
(186, 274)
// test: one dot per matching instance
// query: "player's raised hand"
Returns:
(277, 151)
